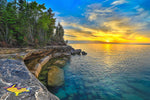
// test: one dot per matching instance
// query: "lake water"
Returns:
(108, 72)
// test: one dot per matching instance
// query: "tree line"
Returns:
(25, 23)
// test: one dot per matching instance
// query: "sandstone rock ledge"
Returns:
(15, 72)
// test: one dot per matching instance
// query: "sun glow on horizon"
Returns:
(107, 41)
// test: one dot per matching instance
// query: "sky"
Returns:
(121, 21)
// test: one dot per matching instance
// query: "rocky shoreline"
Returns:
(34, 59)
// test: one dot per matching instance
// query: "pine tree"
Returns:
(23, 23)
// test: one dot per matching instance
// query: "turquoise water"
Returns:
(108, 72)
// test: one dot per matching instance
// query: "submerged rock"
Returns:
(55, 76)
(15, 72)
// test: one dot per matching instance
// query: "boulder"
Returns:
(55, 76)
(15, 72)
(84, 53)
(77, 51)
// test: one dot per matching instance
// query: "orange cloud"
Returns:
(124, 33)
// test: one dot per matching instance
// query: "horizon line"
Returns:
(87, 41)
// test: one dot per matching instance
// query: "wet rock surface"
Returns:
(15, 72)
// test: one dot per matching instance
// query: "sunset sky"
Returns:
(121, 21)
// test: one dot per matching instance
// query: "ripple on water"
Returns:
(108, 72)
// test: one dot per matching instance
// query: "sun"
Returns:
(107, 41)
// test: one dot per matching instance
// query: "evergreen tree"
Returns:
(59, 33)
(23, 23)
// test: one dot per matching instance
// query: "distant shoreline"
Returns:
(97, 42)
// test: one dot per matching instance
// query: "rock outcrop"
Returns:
(15, 72)
(77, 52)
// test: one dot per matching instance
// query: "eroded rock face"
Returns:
(55, 76)
(15, 72)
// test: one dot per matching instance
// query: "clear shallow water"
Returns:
(108, 72)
